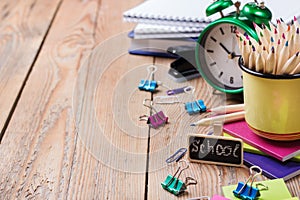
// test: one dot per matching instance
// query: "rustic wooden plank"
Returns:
(23, 26)
(119, 140)
(38, 147)
(117, 112)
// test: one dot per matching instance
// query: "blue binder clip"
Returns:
(176, 186)
(195, 107)
(149, 84)
(245, 191)
(248, 192)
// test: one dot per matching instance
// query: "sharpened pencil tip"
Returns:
(192, 124)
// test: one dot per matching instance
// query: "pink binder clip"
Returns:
(157, 119)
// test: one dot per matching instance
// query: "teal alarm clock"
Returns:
(217, 49)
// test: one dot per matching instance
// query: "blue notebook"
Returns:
(272, 168)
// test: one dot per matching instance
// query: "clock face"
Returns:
(219, 57)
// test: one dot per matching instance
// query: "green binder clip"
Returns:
(176, 186)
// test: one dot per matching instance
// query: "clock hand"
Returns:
(233, 43)
(233, 55)
(227, 51)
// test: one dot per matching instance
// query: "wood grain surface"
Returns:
(70, 109)
(23, 27)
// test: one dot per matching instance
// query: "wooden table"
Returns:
(70, 108)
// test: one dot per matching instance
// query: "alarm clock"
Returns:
(217, 50)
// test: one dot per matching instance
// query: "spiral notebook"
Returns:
(144, 31)
(192, 13)
(170, 12)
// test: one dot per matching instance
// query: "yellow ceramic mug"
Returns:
(272, 104)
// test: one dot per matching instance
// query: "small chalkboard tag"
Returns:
(215, 150)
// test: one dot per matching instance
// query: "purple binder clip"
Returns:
(157, 119)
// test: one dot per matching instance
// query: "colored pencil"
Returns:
(231, 117)
(260, 63)
(252, 58)
(271, 62)
(283, 57)
(290, 64)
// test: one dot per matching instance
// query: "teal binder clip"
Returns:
(195, 107)
(176, 186)
(245, 191)
(149, 84)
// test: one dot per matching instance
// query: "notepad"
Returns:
(150, 31)
(170, 12)
(271, 167)
(218, 197)
(251, 149)
(277, 149)
(277, 189)
(192, 12)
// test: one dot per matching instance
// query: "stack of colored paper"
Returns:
(277, 159)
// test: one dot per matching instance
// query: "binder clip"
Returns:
(149, 84)
(176, 186)
(178, 90)
(194, 107)
(248, 192)
(157, 119)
